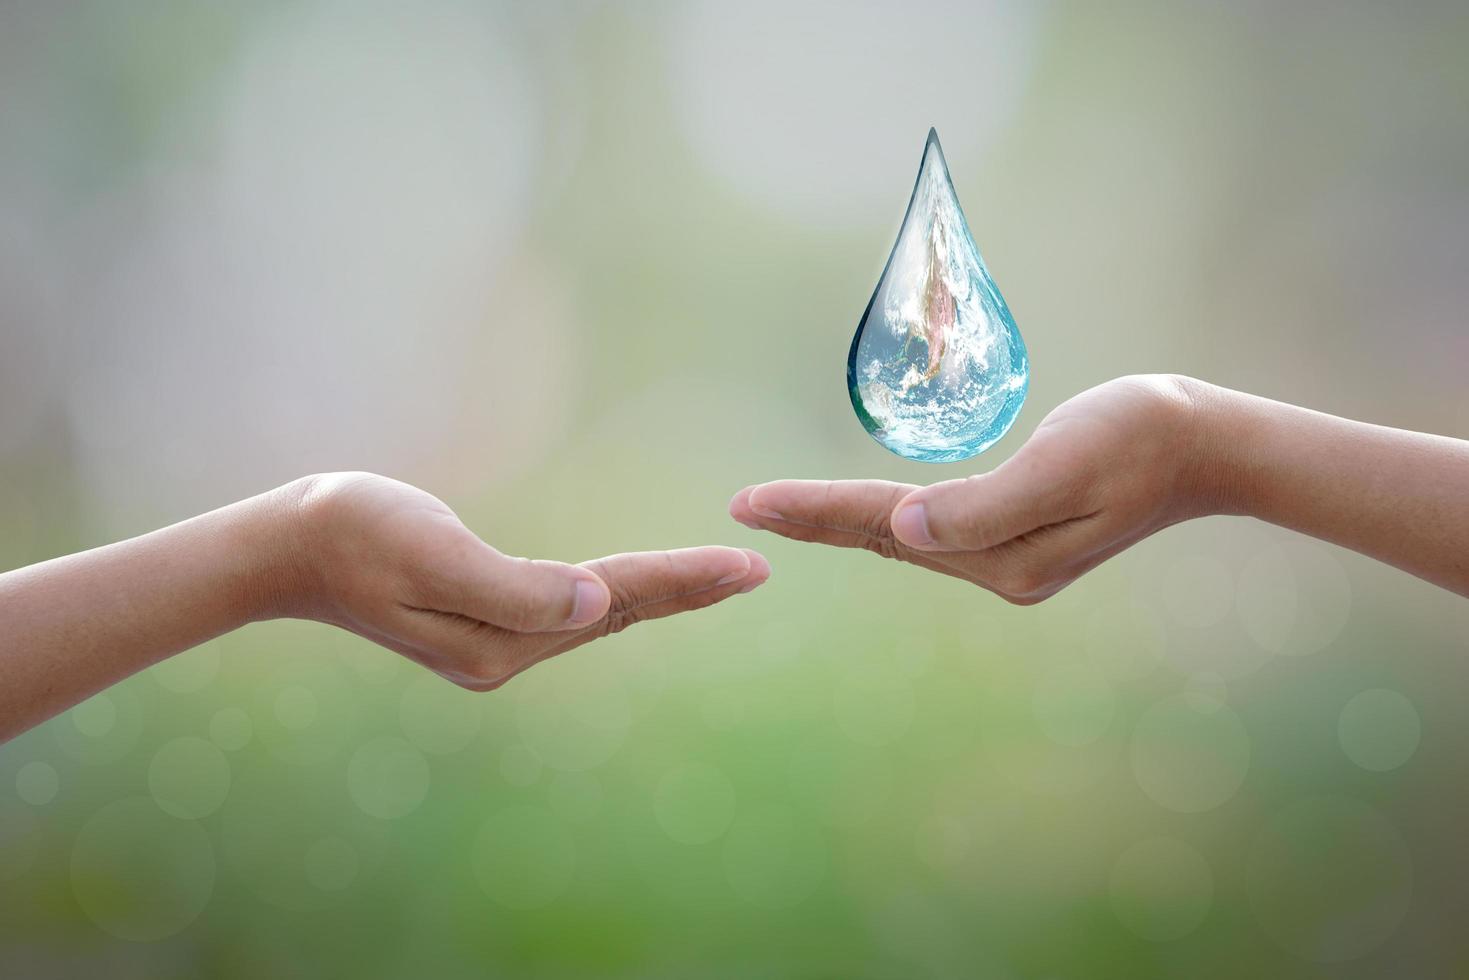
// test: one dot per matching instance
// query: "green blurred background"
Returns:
(584, 270)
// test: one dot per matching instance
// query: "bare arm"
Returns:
(368, 554)
(1401, 497)
(1123, 460)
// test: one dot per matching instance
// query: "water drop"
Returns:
(937, 371)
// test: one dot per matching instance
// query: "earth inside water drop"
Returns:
(937, 370)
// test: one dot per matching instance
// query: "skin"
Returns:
(1128, 458)
(371, 555)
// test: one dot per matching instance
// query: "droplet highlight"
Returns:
(937, 371)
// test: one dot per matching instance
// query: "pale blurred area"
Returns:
(239, 243)
(586, 269)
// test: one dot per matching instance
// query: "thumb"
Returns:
(978, 512)
(522, 594)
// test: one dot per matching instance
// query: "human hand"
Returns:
(395, 565)
(1103, 471)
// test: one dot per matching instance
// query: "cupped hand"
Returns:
(1103, 471)
(395, 565)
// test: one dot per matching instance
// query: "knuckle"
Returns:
(884, 544)
(617, 620)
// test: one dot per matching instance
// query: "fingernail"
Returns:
(587, 607)
(762, 510)
(910, 525)
(732, 577)
(749, 524)
(751, 587)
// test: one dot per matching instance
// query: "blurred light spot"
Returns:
(37, 783)
(1198, 591)
(333, 247)
(1074, 704)
(387, 778)
(1189, 760)
(231, 729)
(572, 719)
(522, 858)
(307, 711)
(574, 796)
(438, 717)
(819, 109)
(295, 708)
(1161, 889)
(773, 858)
(102, 729)
(1206, 691)
(1379, 729)
(1294, 597)
(694, 803)
(1329, 879)
(519, 766)
(1125, 638)
(942, 842)
(138, 873)
(189, 671)
(873, 706)
(95, 716)
(189, 778)
(331, 864)
(274, 819)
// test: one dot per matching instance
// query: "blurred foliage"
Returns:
(860, 770)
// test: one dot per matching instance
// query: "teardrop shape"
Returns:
(937, 371)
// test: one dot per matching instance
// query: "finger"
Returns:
(877, 539)
(472, 579)
(856, 506)
(642, 577)
(1027, 491)
(529, 650)
(620, 619)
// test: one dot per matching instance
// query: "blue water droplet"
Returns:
(937, 371)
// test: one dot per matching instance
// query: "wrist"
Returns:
(1225, 435)
(275, 532)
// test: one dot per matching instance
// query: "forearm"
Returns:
(1401, 497)
(74, 625)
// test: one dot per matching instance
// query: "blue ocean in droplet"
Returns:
(937, 370)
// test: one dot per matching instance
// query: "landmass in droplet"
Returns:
(937, 370)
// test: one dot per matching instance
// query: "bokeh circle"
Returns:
(37, 783)
(189, 777)
(387, 778)
(1379, 729)
(231, 729)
